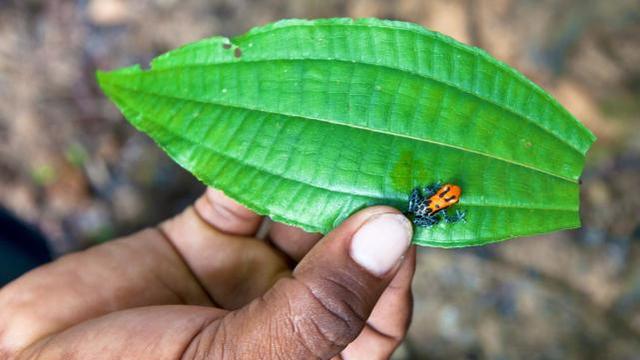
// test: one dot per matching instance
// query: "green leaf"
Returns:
(309, 121)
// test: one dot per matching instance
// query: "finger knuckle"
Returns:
(14, 336)
(326, 322)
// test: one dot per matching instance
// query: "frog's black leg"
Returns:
(435, 219)
(457, 217)
(422, 221)
(425, 221)
(414, 199)
(430, 190)
(448, 218)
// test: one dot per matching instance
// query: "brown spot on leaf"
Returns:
(237, 53)
(226, 46)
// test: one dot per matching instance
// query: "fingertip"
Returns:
(373, 238)
(218, 197)
(227, 215)
(360, 217)
(381, 242)
(353, 223)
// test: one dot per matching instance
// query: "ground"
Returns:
(71, 165)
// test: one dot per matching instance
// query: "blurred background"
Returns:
(70, 165)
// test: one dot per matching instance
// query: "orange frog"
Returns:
(426, 208)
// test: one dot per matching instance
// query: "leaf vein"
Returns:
(215, 151)
(333, 122)
(440, 39)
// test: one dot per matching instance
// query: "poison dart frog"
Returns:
(426, 207)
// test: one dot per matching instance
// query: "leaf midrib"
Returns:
(459, 148)
(398, 69)
(239, 161)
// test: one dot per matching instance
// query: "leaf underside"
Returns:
(310, 121)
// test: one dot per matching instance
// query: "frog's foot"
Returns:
(414, 199)
(457, 217)
(430, 190)
(425, 221)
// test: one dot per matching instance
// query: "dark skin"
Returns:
(201, 286)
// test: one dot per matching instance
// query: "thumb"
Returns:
(325, 304)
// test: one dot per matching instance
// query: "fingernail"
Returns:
(380, 243)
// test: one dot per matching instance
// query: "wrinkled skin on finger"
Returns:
(201, 285)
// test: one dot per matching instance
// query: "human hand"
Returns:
(202, 286)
